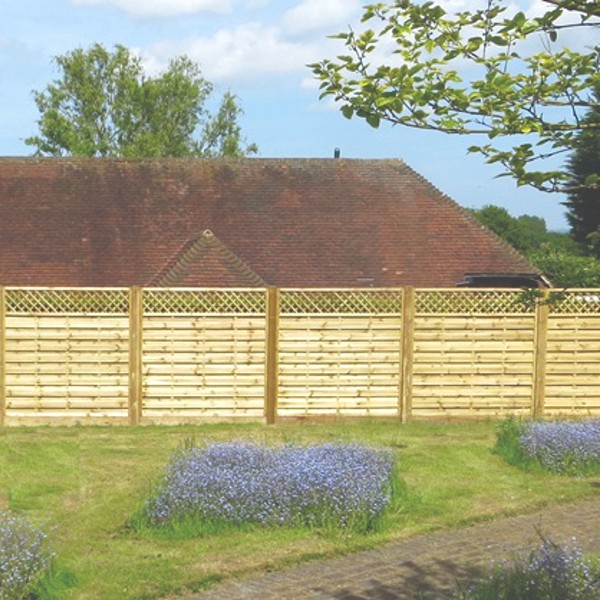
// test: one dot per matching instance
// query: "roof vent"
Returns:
(337, 153)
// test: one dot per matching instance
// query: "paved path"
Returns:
(425, 567)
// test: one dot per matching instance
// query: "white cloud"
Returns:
(253, 4)
(162, 8)
(316, 15)
(248, 53)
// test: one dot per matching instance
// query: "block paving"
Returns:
(425, 567)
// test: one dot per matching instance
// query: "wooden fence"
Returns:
(171, 355)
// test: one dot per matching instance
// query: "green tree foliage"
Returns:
(567, 270)
(525, 233)
(473, 73)
(105, 105)
(556, 254)
(583, 204)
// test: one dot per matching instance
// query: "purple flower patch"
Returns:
(563, 447)
(24, 555)
(323, 485)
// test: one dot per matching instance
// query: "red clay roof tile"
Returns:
(285, 222)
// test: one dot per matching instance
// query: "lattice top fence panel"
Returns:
(67, 301)
(581, 302)
(205, 301)
(475, 301)
(293, 302)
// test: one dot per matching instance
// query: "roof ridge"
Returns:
(171, 263)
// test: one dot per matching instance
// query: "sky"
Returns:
(258, 50)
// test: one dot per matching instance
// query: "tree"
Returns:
(105, 105)
(525, 233)
(472, 73)
(565, 269)
(583, 204)
(555, 254)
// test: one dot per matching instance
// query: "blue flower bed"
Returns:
(572, 448)
(24, 556)
(549, 572)
(563, 447)
(328, 485)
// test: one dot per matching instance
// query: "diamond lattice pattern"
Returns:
(57, 301)
(585, 302)
(340, 301)
(204, 301)
(471, 302)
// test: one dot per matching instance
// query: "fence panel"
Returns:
(473, 354)
(86, 355)
(573, 359)
(203, 354)
(339, 352)
(66, 355)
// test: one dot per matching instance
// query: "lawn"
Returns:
(84, 483)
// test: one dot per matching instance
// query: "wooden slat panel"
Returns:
(67, 361)
(212, 366)
(480, 364)
(339, 364)
(573, 365)
(190, 364)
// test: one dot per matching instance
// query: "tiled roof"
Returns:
(285, 222)
(205, 258)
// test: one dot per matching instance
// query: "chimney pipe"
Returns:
(337, 153)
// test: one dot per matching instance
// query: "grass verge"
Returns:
(84, 483)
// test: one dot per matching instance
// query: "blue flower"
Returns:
(338, 485)
(563, 447)
(24, 555)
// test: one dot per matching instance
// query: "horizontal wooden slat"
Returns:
(212, 365)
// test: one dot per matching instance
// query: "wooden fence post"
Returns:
(2, 356)
(542, 311)
(406, 354)
(272, 358)
(136, 312)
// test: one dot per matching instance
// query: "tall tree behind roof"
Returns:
(104, 104)
(583, 204)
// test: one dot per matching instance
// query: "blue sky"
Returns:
(258, 49)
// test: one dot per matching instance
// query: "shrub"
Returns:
(549, 572)
(329, 485)
(508, 442)
(559, 447)
(24, 556)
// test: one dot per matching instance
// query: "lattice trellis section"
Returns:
(579, 302)
(472, 302)
(341, 301)
(204, 301)
(67, 301)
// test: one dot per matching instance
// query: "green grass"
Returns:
(83, 484)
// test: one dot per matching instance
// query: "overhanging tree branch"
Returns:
(424, 86)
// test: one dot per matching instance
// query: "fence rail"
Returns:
(170, 355)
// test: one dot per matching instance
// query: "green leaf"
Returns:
(373, 121)
(347, 111)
